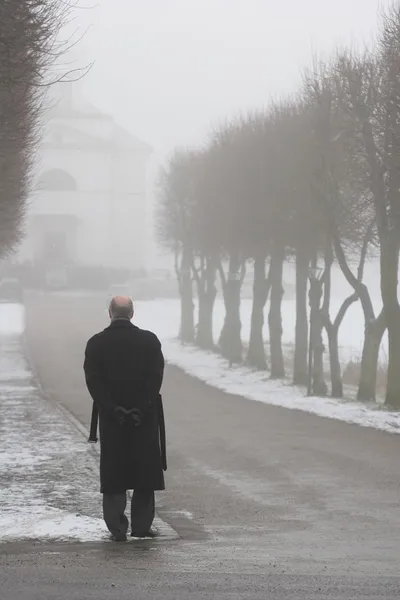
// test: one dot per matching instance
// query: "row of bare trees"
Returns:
(314, 179)
(28, 46)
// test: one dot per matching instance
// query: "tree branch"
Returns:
(357, 285)
(343, 309)
(364, 249)
(221, 272)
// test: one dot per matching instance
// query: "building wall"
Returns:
(89, 203)
(109, 203)
(99, 127)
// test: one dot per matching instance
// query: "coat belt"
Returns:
(161, 427)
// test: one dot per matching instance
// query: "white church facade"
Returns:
(88, 203)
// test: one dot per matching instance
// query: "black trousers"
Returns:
(142, 512)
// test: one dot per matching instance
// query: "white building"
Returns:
(88, 206)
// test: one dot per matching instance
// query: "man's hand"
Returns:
(120, 414)
(137, 416)
(123, 415)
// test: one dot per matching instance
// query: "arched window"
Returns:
(56, 180)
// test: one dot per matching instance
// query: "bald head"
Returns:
(121, 307)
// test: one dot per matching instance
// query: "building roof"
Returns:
(124, 138)
(66, 99)
(68, 103)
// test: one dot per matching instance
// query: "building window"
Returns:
(56, 180)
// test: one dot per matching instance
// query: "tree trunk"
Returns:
(256, 352)
(319, 387)
(374, 327)
(336, 373)
(275, 313)
(230, 342)
(374, 331)
(207, 293)
(300, 370)
(389, 281)
(332, 330)
(187, 330)
(393, 376)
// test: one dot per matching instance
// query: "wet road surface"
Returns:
(267, 502)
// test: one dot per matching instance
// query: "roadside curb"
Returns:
(165, 530)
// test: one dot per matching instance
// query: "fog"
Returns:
(170, 69)
(168, 72)
(185, 161)
(163, 74)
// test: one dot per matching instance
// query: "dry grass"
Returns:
(350, 370)
(351, 375)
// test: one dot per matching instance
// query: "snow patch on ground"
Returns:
(51, 524)
(12, 319)
(48, 474)
(162, 317)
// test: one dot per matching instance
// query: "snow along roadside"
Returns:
(48, 480)
(256, 385)
(162, 317)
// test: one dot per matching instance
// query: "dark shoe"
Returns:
(118, 537)
(153, 533)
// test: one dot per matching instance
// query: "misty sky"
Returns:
(170, 69)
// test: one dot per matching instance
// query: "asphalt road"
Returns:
(268, 503)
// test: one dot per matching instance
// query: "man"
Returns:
(124, 368)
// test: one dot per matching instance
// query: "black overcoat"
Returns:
(124, 367)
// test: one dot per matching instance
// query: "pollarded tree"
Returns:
(176, 229)
(340, 189)
(256, 142)
(207, 246)
(368, 92)
(227, 193)
(305, 225)
(292, 224)
(248, 162)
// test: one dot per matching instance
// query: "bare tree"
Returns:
(228, 216)
(340, 182)
(28, 47)
(369, 93)
(207, 246)
(175, 226)
(306, 226)
(255, 226)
